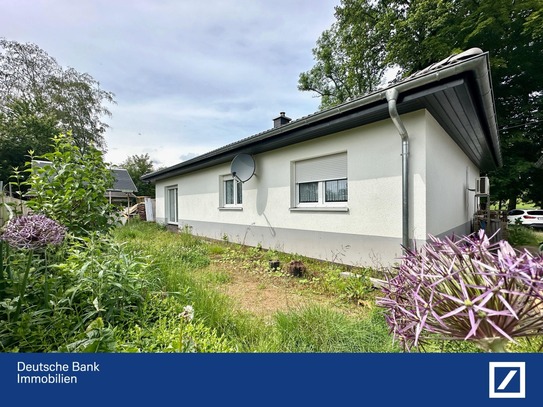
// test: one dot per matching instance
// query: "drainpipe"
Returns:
(392, 97)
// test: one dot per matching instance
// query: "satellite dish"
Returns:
(243, 167)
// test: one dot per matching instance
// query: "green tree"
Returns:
(412, 34)
(23, 128)
(350, 59)
(71, 187)
(39, 98)
(138, 165)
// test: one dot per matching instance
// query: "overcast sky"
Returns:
(188, 76)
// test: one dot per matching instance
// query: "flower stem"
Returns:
(22, 288)
(494, 345)
(46, 283)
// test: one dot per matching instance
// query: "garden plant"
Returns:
(66, 284)
(465, 289)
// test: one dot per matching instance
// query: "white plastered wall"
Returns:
(373, 222)
(449, 174)
(374, 174)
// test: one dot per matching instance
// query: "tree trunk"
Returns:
(512, 203)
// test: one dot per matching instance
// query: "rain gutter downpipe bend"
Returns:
(392, 98)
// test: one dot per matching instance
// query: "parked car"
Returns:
(527, 217)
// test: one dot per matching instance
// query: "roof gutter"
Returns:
(421, 78)
(392, 98)
(470, 60)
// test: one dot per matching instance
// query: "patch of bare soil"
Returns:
(264, 294)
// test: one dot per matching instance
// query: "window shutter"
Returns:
(322, 168)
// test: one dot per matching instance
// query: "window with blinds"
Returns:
(321, 181)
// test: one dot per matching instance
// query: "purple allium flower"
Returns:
(466, 289)
(33, 232)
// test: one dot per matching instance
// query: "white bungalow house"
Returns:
(352, 183)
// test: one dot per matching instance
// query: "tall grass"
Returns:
(177, 257)
(320, 329)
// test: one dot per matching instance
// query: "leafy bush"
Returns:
(107, 281)
(518, 235)
(97, 338)
(465, 290)
(71, 187)
(165, 326)
(50, 298)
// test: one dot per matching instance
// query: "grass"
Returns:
(195, 271)
(519, 236)
(250, 307)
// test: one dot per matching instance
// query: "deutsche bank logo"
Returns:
(507, 380)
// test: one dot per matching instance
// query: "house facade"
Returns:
(354, 183)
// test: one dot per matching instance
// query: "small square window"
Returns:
(232, 192)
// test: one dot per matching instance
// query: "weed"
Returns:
(519, 235)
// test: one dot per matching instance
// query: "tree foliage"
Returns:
(39, 99)
(412, 34)
(138, 165)
(71, 187)
(349, 57)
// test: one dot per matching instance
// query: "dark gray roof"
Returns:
(123, 181)
(456, 91)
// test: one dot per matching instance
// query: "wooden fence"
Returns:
(494, 224)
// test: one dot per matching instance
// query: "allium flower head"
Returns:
(466, 289)
(33, 232)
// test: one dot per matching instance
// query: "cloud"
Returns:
(188, 76)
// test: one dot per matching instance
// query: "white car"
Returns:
(527, 217)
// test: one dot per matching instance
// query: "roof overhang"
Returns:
(458, 95)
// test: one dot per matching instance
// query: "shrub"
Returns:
(71, 188)
(167, 326)
(466, 289)
(73, 294)
(519, 235)
(107, 281)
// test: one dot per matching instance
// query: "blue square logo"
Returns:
(507, 380)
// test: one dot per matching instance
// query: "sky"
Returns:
(188, 76)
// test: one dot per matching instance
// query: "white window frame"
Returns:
(337, 164)
(321, 196)
(167, 195)
(225, 179)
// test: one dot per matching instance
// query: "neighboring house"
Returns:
(123, 187)
(353, 183)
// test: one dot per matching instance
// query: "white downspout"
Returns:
(392, 97)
